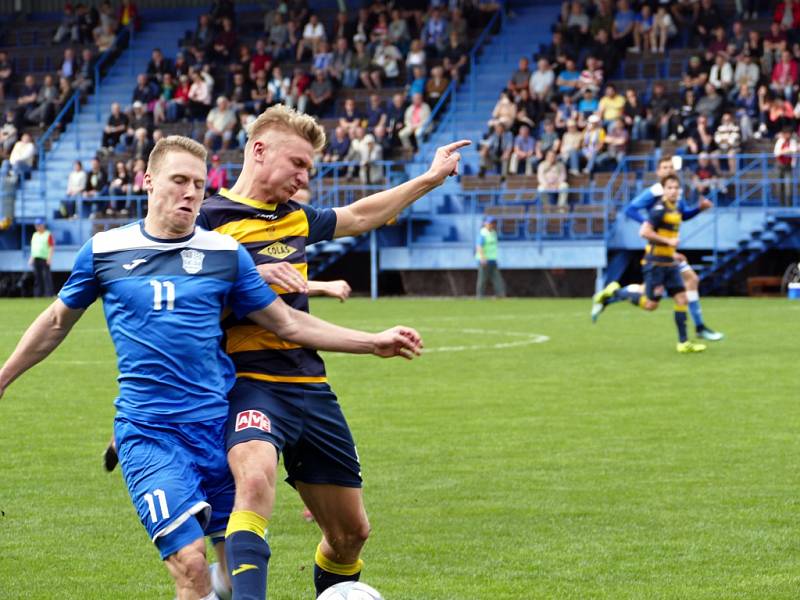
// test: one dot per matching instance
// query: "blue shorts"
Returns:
(667, 277)
(304, 422)
(178, 478)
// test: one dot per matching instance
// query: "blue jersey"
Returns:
(647, 199)
(163, 300)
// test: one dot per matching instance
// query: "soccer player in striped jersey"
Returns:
(282, 383)
(164, 285)
(637, 210)
(660, 266)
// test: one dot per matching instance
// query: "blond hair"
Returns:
(282, 117)
(172, 143)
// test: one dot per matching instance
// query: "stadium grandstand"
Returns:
(569, 106)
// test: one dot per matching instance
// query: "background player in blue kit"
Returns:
(164, 286)
(637, 210)
(284, 383)
(660, 267)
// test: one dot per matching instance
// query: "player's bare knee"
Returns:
(348, 542)
(189, 567)
(690, 280)
(650, 305)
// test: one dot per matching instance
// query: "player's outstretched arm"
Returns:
(309, 331)
(42, 337)
(376, 210)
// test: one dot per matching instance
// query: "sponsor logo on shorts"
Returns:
(253, 419)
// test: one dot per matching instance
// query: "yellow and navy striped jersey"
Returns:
(665, 217)
(271, 233)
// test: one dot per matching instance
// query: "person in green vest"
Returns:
(486, 254)
(42, 246)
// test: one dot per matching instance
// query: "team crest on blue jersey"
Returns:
(192, 261)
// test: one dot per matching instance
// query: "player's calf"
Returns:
(189, 569)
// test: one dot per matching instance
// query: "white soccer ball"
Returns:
(350, 590)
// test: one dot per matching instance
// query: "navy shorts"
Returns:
(304, 422)
(667, 277)
(178, 478)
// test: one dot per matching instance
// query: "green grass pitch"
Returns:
(596, 463)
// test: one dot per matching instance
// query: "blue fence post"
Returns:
(373, 265)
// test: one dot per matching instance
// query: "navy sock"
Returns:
(680, 323)
(247, 553)
(328, 573)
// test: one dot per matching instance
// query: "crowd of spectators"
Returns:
(740, 83)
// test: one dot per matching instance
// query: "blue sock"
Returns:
(695, 310)
(328, 573)
(247, 553)
(680, 323)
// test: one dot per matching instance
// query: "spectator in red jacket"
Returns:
(787, 15)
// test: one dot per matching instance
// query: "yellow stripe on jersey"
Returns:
(669, 233)
(248, 201)
(281, 378)
(663, 251)
(673, 218)
(248, 231)
(246, 338)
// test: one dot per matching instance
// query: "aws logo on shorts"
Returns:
(253, 419)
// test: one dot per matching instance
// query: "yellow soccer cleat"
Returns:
(601, 298)
(689, 346)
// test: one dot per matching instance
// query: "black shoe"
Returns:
(110, 458)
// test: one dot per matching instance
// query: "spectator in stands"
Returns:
(322, 58)
(142, 144)
(455, 58)
(717, 42)
(278, 37)
(591, 76)
(76, 186)
(220, 125)
(338, 146)
(592, 144)
(622, 29)
(145, 91)
(349, 116)
(217, 177)
(787, 15)
(139, 118)
(376, 112)
(44, 110)
(728, 139)
(64, 94)
(710, 105)
(779, 114)
(567, 80)
(685, 12)
(365, 152)
(83, 79)
(199, 96)
(557, 51)
(121, 185)
(245, 119)
(158, 66)
(603, 18)
(97, 185)
(706, 178)
(69, 64)
(721, 74)
(775, 42)
(663, 29)
(161, 107)
(708, 18)
(575, 22)
(520, 78)
(278, 87)
(434, 32)
(320, 94)
(20, 161)
(660, 111)
(88, 19)
(69, 26)
(523, 152)
(643, 29)
(261, 60)
(395, 115)
(298, 90)
(417, 82)
(611, 105)
(616, 145)
(701, 138)
(458, 25)
(26, 99)
(360, 65)
(225, 42)
(260, 92)
(380, 29)
(588, 104)
(415, 118)
(435, 86)
(386, 65)
(399, 34)
(541, 83)
(6, 74)
(116, 125)
(528, 111)
(695, 77)
(128, 14)
(486, 254)
(495, 150)
(341, 65)
(313, 34)
(416, 56)
(784, 81)
(606, 53)
(565, 111)
(785, 152)
(105, 34)
(137, 185)
(746, 111)
(548, 139)
(571, 140)
(746, 72)
(635, 115)
(551, 175)
(8, 133)
(687, 113)
(504, 112)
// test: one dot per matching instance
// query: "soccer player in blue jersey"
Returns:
(280, 382)
(660, 267)
(164, 285)
(637, 210)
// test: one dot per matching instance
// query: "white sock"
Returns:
(692, 295)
